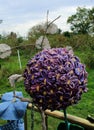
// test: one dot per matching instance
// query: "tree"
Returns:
(82, 21)
(66, 34)
(12, 35)
(0, 23)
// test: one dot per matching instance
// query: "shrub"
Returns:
(89, 59)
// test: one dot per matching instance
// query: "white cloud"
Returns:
(23, 27)
(65, 12)
(20, 17)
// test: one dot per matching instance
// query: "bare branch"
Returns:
(54, 20)
(23, 99)
(48, 25)
(17, 47)
(43, 116)
(47, 16)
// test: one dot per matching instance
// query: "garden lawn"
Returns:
(10, 66)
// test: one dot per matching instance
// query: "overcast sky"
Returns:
(20, 15)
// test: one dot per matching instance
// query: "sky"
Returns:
(21, 15)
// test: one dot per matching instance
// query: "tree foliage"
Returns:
(82, 21)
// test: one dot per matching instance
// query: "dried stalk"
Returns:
(17, 47)
(43, 116)
(48, 25)
(32, 117)
(23, 99)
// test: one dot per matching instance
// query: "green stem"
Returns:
(66, 121)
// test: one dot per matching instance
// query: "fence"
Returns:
(59, 115)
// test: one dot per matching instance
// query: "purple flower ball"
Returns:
(55, 79)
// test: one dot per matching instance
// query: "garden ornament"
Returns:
(5, 50)
(55, 79)
(14, 78)
(44, 41)
(8, 96)
(13, 110)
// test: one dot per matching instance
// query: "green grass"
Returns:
(10, 66)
